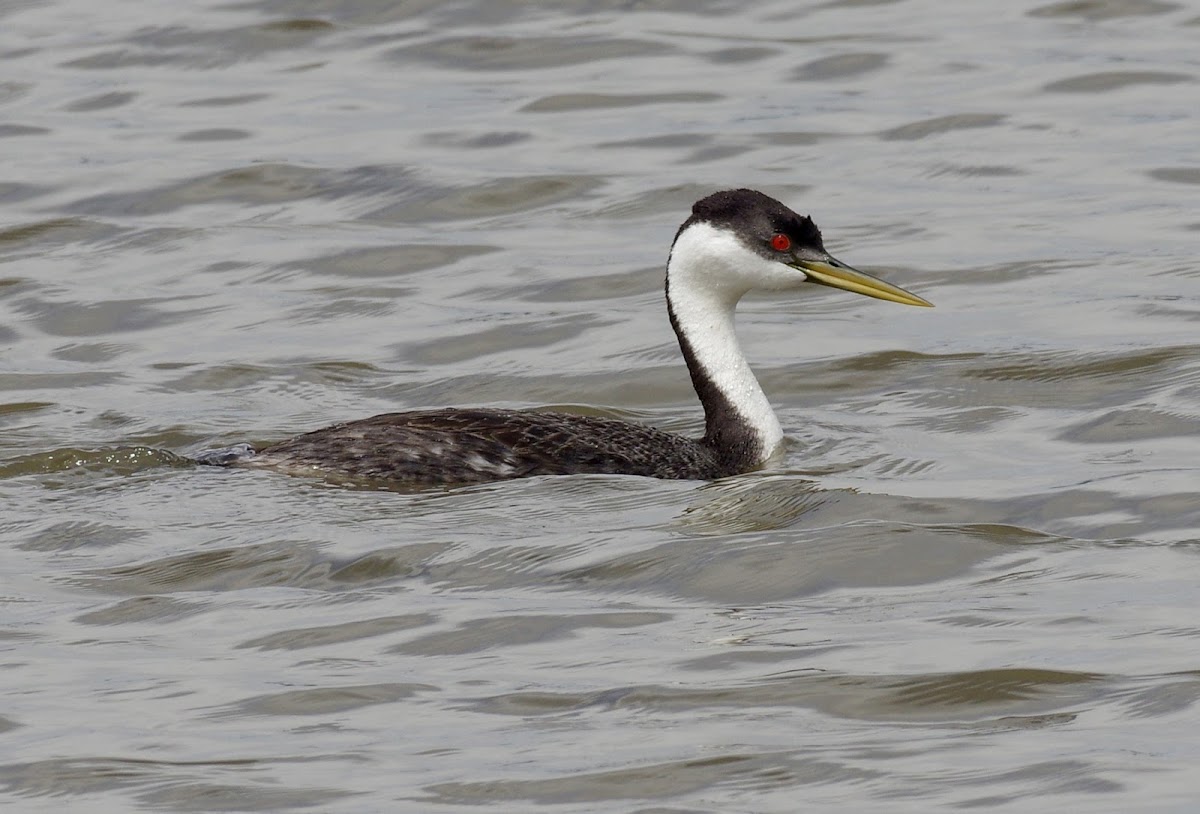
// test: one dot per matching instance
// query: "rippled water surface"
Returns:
(971, 583)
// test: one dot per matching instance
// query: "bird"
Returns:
(734, 241)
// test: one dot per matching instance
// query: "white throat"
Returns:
(707, 274)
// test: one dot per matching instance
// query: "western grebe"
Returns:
(733, 242)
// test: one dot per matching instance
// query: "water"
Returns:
(970, 584)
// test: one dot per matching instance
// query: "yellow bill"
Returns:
(836, 274)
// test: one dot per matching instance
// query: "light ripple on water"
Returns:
(969, 583)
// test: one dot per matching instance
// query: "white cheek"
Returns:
(716, 262)
(772, 275)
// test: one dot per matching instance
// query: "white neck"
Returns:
(706, 276)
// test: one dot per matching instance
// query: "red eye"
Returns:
(781, 243)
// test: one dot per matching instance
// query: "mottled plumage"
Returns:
(473, 445)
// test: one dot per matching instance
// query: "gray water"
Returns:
(971, 583)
